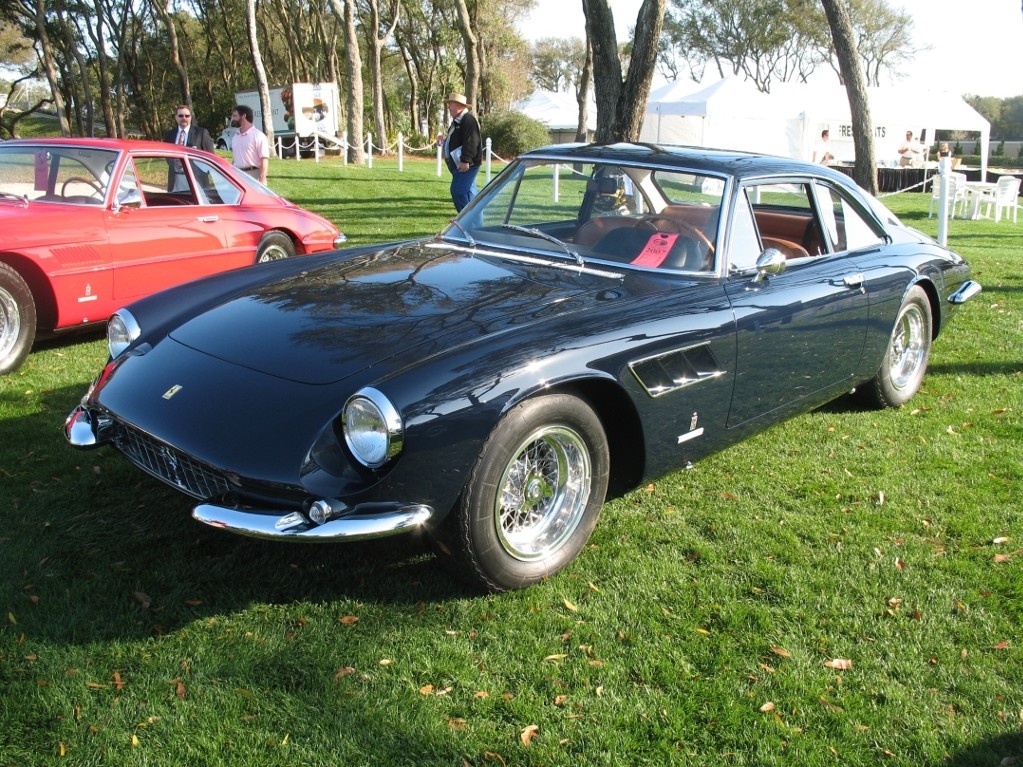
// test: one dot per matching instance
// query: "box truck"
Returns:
(300, 111)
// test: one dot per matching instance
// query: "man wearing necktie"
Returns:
(185, 134)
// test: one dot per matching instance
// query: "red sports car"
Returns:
(89, 225)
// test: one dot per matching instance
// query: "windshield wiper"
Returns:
(463, 230)
(544, 236)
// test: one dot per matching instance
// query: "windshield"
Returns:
(640, 216)
(75, 175)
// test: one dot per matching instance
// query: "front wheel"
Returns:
(274, 246)
(533, 496)
(17, 319)
(905, 360)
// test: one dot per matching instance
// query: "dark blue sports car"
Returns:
(598, 316)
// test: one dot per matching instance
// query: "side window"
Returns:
(214, 187)
(743, 240)
(163, 182)
(128, 195)
(785, 218)
(847, 228)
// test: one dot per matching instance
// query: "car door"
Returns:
(800, 332)
(161, 231)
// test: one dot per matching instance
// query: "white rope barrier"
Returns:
(399, 147)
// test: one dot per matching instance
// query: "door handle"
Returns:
(854, 280)
(209, 219)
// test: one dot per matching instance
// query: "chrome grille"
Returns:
(172, 466)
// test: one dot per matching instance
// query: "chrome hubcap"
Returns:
(10, 323)
(544, 492)
(908, 347)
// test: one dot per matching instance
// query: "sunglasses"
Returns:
(183, 115)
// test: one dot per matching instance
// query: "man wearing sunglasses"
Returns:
(186, 134)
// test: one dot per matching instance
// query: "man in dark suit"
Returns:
(185, 134)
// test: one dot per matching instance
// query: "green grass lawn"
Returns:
(844, 589)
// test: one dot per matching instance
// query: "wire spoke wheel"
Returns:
(543, 493)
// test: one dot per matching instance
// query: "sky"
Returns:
(972, 47)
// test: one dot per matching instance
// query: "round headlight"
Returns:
(373, 428)
(122, 329)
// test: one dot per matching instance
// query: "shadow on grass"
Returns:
(1003, 750)
(97, 550)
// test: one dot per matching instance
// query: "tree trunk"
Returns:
(378, 41)
(162, 7)
(621, 103)
(353, 73)
(582, 97)
(844, 39)
(472, 53)
(257, 65)
(50, 67)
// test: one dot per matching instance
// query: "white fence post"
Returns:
(369, 150)
(557, 185)
(944, 166)
(440, 155)
(401, 153)
(490, 157)
(344, 149)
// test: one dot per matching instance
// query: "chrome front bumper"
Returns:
(296, 526)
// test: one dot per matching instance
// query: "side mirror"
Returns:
(771, 261)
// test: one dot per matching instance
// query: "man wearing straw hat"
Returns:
(463, 150)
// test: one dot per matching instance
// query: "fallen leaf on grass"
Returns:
(560, 700)
(343, 671)
(348, 620)
(1001, 539)
(527, 735)
(143, 599)
(555, 658)
(118, 684)
(769, 706)
(569, 605)
(839, 664)
(781, 651)
(1003, 645)
(426, 689)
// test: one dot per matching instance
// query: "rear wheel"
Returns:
(17, 319)
(905, 360)
(274, 246)
(534, 494)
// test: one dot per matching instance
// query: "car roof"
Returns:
(115, 144)
(722, 161)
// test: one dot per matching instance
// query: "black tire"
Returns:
(905, 360)
(17, 320)
(274, 246)
(533, 496)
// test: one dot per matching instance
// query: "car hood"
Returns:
(384, 308)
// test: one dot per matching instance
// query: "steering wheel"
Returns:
(79, 180)
(668, 224)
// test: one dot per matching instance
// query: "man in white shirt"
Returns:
(250, 150)
(822, 152)
(911, 152)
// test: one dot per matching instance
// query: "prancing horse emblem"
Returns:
(172, 391)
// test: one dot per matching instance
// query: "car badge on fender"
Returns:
(172, 391)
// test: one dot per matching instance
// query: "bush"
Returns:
(512, 133)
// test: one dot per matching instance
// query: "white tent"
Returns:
(732, 114)
(559, 112)
(728, 114)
